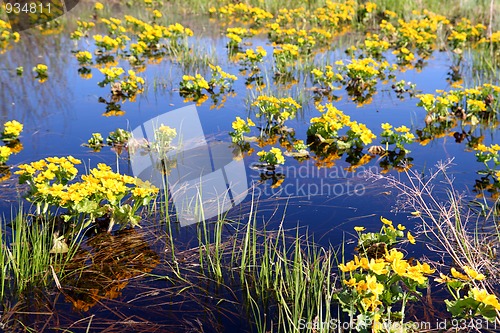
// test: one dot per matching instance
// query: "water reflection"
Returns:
(105, 266)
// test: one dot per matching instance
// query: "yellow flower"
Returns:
(393, 254)
(373, 286)
(443, 278)
(157, 13)
(359, 229)
(399, 266)
(473, 274)
(350, 283)
(98, 6)
(238, 124)
(377, 267)
(457, 275)
(371, 303)
(425, 268)
(401, 227)
(402, 129)
(415, 273)
(12, 128)
(278, 154)
(386, 126)
(385, 221)
(5, 152)
(484, 297)
(348, 267)
(410, 237)
(361, 262)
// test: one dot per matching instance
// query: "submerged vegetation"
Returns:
(295, 74)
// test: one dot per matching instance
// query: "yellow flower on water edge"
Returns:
(484, 297)
(386, 126)
(5, 153)
(40, 68)
(385, 221)
(410, 237)
(402, 129)
(12, 128)
(359, 229)
(473, 274)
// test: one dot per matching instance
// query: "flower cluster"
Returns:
(398, 136)
(285, 55)
(107, 43)
(469, 301)
(41, 72)
(11, 130)
(272, 157)
(276, 110)
(251, 57)
(243, 12)
(326, 77)
(127, 86)
(5, 153)
(84, 58)
(193, 87)
(236, 35)
(10, 136)
(379, 277)
(240, 127)
(473, 105)
(326, 129)
(100, 193)
(7, 36)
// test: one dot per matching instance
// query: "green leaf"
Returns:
(488, 312)
(461, 307)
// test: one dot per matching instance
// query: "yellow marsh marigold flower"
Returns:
(359, 229)
(377, 267)
(40, 68)
(385, 221)
(348, 267)
(410, 237)
(473, 274)
(12, 128)
(278, 154)
(392, 255)
(425, 268)
(238, 124)
(5, 152)
(399, 266)
(415, 273)
(402, 129)
(457, 275)
(373, 286)
(371, 303)
(361, 262)
(386, 126)
(351, 282)
(443, 278)
(484, 297)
